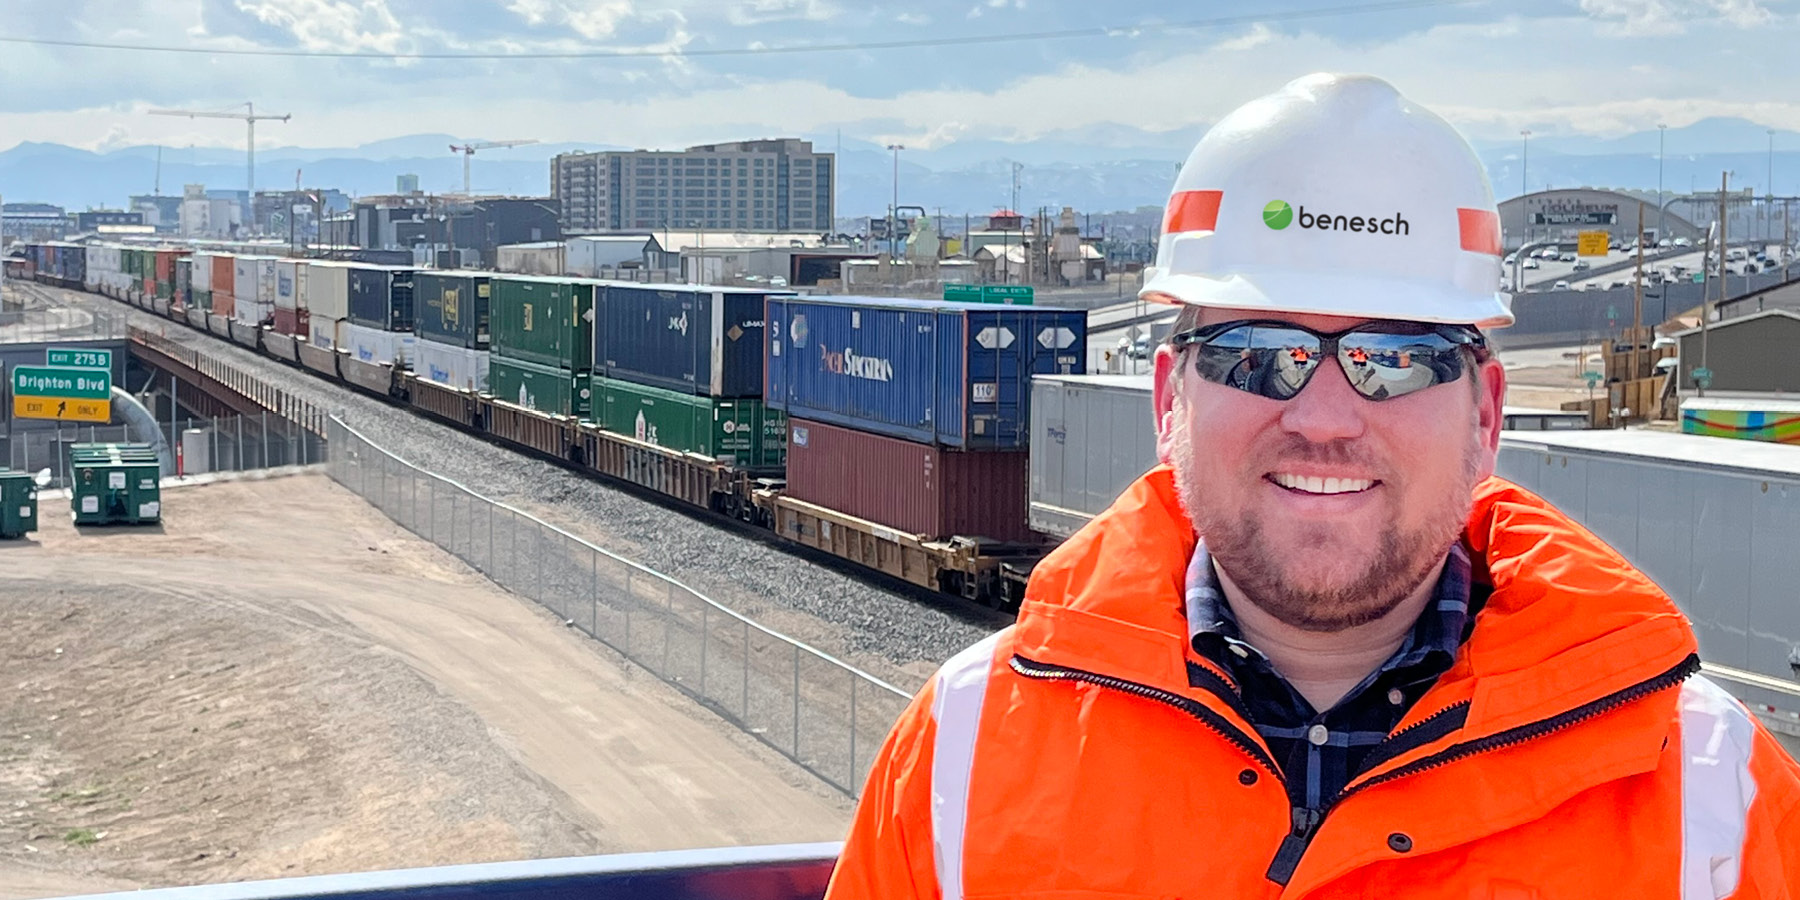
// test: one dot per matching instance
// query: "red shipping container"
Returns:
(224, 280)
(289, 321)
(914, 488)
(165, 267)
(223, 303)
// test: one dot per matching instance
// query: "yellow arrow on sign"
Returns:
(62, 408)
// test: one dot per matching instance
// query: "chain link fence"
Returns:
(812, 708)
(198, 445)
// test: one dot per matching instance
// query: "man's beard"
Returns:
(1367, 589)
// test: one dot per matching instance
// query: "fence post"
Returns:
(265, 438)
(745, 715)
(630, 600)
(797, 704)
(705, 638)
(594, 592)
(240, 447)
(852, 780)
(668, 623)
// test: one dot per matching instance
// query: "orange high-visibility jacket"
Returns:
(1571, 752)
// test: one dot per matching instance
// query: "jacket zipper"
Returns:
(1305, 822)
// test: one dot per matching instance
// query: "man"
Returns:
(1321, 653)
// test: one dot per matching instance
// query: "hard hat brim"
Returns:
(1279, 292)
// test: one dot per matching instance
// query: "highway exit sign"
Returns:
(1592, 243)
(62, 392)
(78, 357)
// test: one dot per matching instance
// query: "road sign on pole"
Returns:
(1592, 243)
(78, 357)
(60, 392)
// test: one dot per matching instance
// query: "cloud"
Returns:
(907, 18)
(1258, 35)
(1637, 18)
(345, 25)
(592, 19)
(757, 12)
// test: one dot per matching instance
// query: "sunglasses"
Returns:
(1382, 360)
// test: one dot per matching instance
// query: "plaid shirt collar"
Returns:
(1440, 630)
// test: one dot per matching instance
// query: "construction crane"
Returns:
(249, 117)
(468, 150)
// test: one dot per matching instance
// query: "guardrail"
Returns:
(811, 707)
(278, 401)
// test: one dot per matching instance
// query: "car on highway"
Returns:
(1566, 257)
(1616, 285)
(1510, 259)
(1560, 286)
(1531, 264)
(1582, 265)
(1682, 242)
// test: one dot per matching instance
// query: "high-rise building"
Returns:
(768, 185)
(406, 184)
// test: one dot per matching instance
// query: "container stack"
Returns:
(253, 287)
(200, 282)
(452, 327)
(379, 327)
(543, 342)
(327, 301)
(680, 366)
(163, 273)
(290, 312)
(224, 284)
(915, 414)
(184, 276)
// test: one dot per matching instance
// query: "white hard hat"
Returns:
(1334, 195)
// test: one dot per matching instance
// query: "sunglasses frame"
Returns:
(1462, 336)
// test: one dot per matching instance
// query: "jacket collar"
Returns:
(1568, 621)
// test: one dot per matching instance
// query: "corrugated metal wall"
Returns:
(1725, 544)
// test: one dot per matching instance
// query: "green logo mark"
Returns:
(1278, 214)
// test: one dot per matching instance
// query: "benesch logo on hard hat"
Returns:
(1278, 215)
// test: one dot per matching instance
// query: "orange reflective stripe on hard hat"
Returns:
(1717, 736)
(1480, 230)
(956, 707)
(1192, 211)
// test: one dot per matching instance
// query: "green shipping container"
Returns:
(115, 483)
(546, 321)
(738, 432)
(200, 300)
(18, 503)
(538, 387)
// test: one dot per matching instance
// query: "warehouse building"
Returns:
(1751, 354)
(1564, 213)
(768, 185)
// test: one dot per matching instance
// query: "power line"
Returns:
(653, 52)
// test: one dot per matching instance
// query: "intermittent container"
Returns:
(909, 487)
(291, 314)
(956, 374)
(447, 364)
(698, 339)
(452, 308)
(381, 297)
(548, 389)
(545, 321)
(740, 432)
(1091, 437)
(373, 345)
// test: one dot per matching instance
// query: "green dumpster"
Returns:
(114, 484)
(18, 503)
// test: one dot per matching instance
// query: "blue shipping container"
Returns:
(382, 297)
(956, 374)
(695, 339)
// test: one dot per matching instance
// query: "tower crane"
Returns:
(249, 118)
(468, 150)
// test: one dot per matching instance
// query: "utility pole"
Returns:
(1661, 131)
(1637, 299)
(1769, 189)
(1705, 309)
(894, 210)
(1524, 184)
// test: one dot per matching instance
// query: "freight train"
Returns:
(888, 434)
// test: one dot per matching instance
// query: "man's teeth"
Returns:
(1313, 485)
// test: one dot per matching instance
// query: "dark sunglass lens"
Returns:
(1381, 366)
(1269, 362)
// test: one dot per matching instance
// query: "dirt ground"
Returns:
(1546, 378)
(279, 681)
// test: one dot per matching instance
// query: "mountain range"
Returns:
(1097, 168)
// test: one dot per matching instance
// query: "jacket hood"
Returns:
(1568, 621)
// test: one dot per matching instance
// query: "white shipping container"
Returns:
(290, 284)
(588, 256)
(376, 346)
(201, 279)
(450, 364)
(252, 312)
(326, 333)
(265, 280)
(542, 258)
(1091, 437)
(327, 290)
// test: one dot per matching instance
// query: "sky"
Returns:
(1578, 67)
